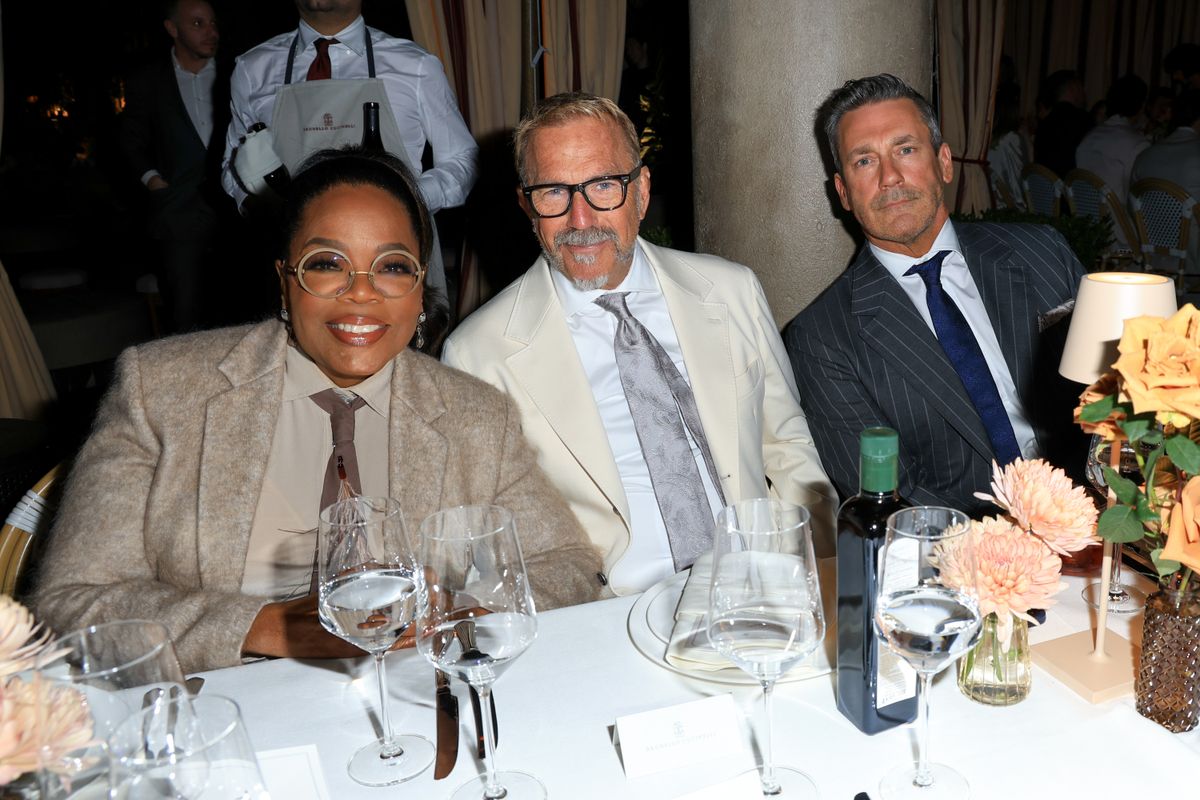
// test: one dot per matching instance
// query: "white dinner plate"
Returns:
(652, 619)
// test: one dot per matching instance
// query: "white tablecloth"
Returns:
(558, 702)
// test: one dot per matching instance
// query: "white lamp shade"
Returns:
(1104, 302)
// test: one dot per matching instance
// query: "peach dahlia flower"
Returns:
(63, 717)
(1042, 499)
(21, 638)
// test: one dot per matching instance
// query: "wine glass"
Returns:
(480, 617)
(1122, 599)
(185, 748)
(765, 608)
(88, 683)
(370, 589)
(927, 613)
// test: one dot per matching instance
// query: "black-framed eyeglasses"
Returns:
(604, 193)
(328, 273)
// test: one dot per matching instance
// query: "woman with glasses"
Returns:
(195, 500)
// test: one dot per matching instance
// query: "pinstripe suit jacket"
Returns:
(863, 356)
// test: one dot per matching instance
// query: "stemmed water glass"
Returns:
(927, 613)
(765, 608)
(99, 675)
(479, 618)
(1122, 599)
(371, 588)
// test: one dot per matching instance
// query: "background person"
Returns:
(208, 459)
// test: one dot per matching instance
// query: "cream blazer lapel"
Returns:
(703, 331)
(548, 368)
(238, 427)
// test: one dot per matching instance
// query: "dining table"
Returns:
(558, 703)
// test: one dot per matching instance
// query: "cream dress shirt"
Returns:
(648, 559)
(279, 559)
(958, 283)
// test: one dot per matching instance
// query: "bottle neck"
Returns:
(878, 476)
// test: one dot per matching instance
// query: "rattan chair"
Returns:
(29, 520)
(1164, 214)
(1002, 193)
(1043, 190)
(1089, 196)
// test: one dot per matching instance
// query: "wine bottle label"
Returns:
(895, 679)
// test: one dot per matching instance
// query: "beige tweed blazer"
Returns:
(156, 515)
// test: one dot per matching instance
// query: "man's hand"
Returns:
(292, 629)
(156, 183)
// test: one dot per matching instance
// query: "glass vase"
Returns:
(1168, 676)
(993, 674)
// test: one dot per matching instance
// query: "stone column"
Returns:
(764, 192)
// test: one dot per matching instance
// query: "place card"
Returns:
(747, 786)
(293, 772)
(683, 735)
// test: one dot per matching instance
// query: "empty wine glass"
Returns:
(765, 608)
(927, 613)
(185, 748)
(479, 619)
(370, 589)
(1122, 598)
(95, 677)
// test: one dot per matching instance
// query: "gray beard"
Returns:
(586, 237)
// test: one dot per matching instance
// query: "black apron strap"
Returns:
(370, 52)
(287, 75)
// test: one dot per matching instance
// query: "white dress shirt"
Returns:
(421, 100)
(1175, 158)
(195, 89)
(279, 558)
(1109, 150)
(958, 283)
(648, 559)
(1006, 160)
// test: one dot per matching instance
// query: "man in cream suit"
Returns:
(561, 338)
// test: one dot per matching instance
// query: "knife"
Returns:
(465, 631)
(446, 705)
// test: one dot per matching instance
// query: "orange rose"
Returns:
(1160, 365)
(1183, 537)
(1107, 427)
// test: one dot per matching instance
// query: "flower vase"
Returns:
(995, 675)
(1168, 676)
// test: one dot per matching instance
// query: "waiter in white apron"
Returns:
(317, 114)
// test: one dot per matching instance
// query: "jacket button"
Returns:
(600, 576)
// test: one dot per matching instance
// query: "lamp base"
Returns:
(1070, 660)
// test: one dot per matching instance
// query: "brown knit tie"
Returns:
(341, 418)
(320, 69)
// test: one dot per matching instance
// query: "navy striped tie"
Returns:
(960, 346)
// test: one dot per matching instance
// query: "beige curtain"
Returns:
(586, 40)
(1100, 39)
(25, 387)
(970, 34)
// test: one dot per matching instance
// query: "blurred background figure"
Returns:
(1110, 148)
(1176, 157)
(172, 108)
(1182, 63)
(1064, 120)
(1009, 153)
(1157, 117)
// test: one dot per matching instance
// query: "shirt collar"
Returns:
(302, 377)
(640, 279)
(1183, 133)
(209, 66)
(897, 264)
(351, 36)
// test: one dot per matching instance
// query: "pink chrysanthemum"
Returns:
(39, 711)
(21, 638)
(1014, 572)
(1043, 500)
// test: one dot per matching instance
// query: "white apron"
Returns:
(315, 115)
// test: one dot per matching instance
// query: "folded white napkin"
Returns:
(689, 648)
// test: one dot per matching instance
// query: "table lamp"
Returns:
(1101, 667)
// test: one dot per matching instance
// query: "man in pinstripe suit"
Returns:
(878, 346)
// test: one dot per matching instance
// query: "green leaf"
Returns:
(1120, 524)
(1099, 410)
(1145, 513)
(1184, 453)
(1164, 566)
(1153, 438)
(1136, 427)
(1125, 489)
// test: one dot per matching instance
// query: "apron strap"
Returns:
(291, 60)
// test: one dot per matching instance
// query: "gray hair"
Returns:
(865, 91)
(562, 108)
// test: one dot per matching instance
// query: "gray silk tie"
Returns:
(341, 419)
(662, 403)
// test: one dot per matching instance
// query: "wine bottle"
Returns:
(372, 142)
(876, 690)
